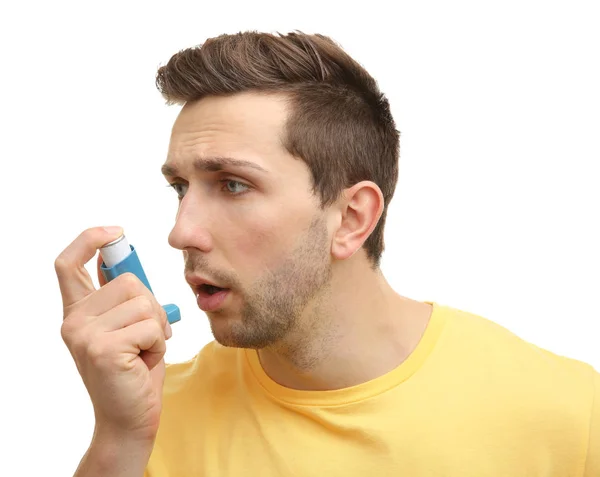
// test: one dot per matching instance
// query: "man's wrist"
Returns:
(119, 454)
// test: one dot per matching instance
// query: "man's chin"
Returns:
(223, 331)
(233, 335)
(220, 327)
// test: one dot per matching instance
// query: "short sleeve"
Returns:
(592, 464)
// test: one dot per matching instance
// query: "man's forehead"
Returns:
(228, 131)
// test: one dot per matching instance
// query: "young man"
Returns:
(284, 159)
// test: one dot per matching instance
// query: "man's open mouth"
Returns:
(210, 289)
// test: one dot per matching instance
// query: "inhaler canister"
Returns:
(120, 257)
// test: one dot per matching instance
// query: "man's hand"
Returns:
(116, 335)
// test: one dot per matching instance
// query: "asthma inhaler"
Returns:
(119, 257)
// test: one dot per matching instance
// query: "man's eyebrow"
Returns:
(212, 164)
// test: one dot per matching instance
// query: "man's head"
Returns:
(285, 158)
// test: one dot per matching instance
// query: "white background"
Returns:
(496, 210)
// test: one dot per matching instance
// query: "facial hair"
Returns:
(274, 305)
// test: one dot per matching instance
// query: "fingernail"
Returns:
(168, 330)
(113, 230)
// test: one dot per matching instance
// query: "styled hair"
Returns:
(339, 123)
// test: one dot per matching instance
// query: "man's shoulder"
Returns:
(479, 336)
(477, 346)
(538, 390)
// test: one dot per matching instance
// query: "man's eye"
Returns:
(237, 187)
(179, 188)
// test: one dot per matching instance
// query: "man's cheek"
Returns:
(263, 247)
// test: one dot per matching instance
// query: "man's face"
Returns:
(257, 229)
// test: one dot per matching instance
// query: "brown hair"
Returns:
(340, 124)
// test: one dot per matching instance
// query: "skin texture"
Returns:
(302, 290)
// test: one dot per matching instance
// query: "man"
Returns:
(284, 159)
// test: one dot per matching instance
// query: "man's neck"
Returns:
(357, 331)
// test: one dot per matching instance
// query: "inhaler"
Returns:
(119, 257)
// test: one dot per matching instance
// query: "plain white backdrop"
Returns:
(496, 210)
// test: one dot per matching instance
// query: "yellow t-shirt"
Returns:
(473, 399)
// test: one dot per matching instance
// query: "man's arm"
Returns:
(115, 457)
(592, 465)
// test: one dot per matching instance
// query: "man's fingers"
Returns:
(126, 288)
(145, 336)
(74, 280)
(101, 280)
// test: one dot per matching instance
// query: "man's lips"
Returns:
(196, 281)
(211, 302)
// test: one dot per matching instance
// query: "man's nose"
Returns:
(191, 226)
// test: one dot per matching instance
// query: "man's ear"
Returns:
(361, 207)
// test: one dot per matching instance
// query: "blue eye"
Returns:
(239, 187)
(179, 188)
(231, 186)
